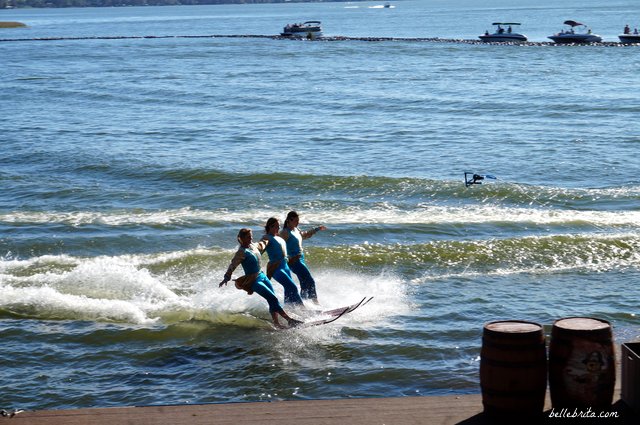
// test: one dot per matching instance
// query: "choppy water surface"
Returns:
(128, 166)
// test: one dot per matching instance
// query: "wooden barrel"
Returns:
(513, 369)
(582, 367)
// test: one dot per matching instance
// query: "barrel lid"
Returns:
(513, 326)
(582, 323)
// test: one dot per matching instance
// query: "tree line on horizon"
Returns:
(7, 4)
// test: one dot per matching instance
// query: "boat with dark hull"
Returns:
(627, 37)
(502, 35)
(308, 29)
(577, 34)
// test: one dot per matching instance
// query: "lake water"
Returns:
(127, 167)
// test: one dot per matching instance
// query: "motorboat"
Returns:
(577, 34)
(628, 37)
(502, 35)
(308, 29)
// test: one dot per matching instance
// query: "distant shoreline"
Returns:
(20, 4)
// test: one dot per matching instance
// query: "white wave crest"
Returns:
(47, 302)
(381, 213)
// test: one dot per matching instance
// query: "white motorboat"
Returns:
(628, 37)
(309, 29)
(577, 34)
(502, 35)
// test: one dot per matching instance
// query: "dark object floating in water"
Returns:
(9, 24)
(473, 178)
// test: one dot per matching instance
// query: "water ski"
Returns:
(333, 314)
(350, 308)
(323, 321)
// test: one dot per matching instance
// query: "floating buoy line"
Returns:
(319, 39)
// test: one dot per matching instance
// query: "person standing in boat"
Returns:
(255, 280)
(293, 238)
(277, 267)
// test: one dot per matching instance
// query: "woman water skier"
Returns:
(293, 238)
(277, 268)
(255, 280)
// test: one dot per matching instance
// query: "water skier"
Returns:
(278, 267)
(255, 280)
(293, 238)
